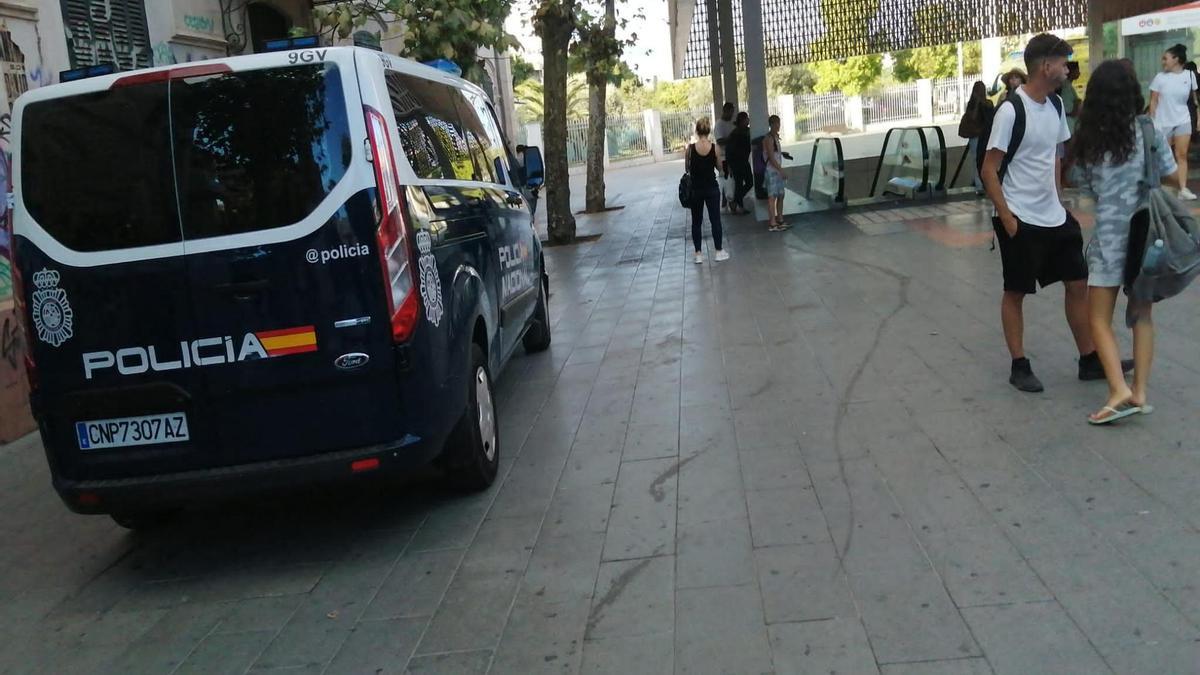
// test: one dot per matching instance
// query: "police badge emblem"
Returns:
(431, 283)
(52, 314)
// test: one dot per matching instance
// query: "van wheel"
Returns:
(142, 521)
(474, 446)
(537, 338)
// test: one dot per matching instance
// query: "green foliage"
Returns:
(788, 80)
(432, 29)
(522, 70)
(852, 76)
(531, 96)
(931, 63)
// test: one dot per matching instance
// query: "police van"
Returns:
(266, 271)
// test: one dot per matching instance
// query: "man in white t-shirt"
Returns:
(1040, 241)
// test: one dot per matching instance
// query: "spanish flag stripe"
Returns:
(265, 335)
(285, 351)
(287, 341)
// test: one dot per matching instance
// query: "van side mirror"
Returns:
(535, 169)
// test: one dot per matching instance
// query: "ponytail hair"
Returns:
(703, 127)
(1179, 52)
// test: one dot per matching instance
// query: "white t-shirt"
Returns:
(1173, 92)
(1030, 187)
(723, 128)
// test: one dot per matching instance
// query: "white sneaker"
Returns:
(1187, 195)
(721, 256)
(699, 259)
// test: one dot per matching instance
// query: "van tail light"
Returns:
(395, 255)
(20, 311)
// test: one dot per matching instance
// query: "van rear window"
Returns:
(251, 150)
(258, 149)
(96, 170)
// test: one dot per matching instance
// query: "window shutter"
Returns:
(107, 31)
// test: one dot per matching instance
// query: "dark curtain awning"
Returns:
(803, 31)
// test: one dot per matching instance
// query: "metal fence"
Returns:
(950, 95)
(626, 137)
(820, 114)
(894, 103)
(577, 137)
(679, 126)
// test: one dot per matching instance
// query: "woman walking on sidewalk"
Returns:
(1169, 95)
(703, 159)
(776, 183)
(1108, 157)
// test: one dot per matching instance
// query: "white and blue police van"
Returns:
(267, 271)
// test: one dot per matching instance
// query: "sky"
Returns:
(650, 56)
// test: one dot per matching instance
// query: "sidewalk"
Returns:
(803, 460)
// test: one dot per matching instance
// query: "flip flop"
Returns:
(1127, 410)
(1147, 409)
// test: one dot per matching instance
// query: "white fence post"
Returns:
(854, 113)
(533, 135)
(925, 101)
(787, 117)
(607, 157)
(654, 136)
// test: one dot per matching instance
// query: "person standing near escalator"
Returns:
(737, 158)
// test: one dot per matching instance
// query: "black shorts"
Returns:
(1041, 255)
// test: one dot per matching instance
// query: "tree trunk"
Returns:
(594, 198)
(556, 37)
(597, 122)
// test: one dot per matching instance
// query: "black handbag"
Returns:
(687, 195)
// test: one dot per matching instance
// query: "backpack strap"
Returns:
(1151, 177)
(687, 158)
(1018, 130)
(1018, 133)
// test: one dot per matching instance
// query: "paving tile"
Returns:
(258, 614)
(770, 468)
(786, 516)
(721, 630)
(652, 441)
(457, 663)
(652, 654)
(715, 553)
(803, 583)
(1032, 637)
(226, 653)
(972, 666)
(642, 522)
(832, 646)
(633, 598)
(564, 567)
(378, 647)
(543, 637)
(415, 586)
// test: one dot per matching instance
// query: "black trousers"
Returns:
(743, 181)
(709, 196)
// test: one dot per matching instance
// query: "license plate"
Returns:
(130, 431)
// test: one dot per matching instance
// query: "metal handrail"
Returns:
(840, 197)
(924, 157)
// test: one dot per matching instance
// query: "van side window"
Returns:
(431, 131)
(492, 152)
(96, 169)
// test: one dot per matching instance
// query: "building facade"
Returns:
(41, 38)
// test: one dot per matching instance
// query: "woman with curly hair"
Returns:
(1107, 156)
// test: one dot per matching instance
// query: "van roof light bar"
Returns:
(284, 44)
(76, 74)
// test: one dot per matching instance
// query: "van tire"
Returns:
(473, 460)
(537, 338)
(142, 521)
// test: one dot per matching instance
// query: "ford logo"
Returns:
(351, 361)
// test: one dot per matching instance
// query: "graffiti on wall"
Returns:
(5, 235)
(167, 54)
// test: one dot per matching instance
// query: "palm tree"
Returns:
(531, 96)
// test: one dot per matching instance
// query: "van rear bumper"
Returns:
(206, 485)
